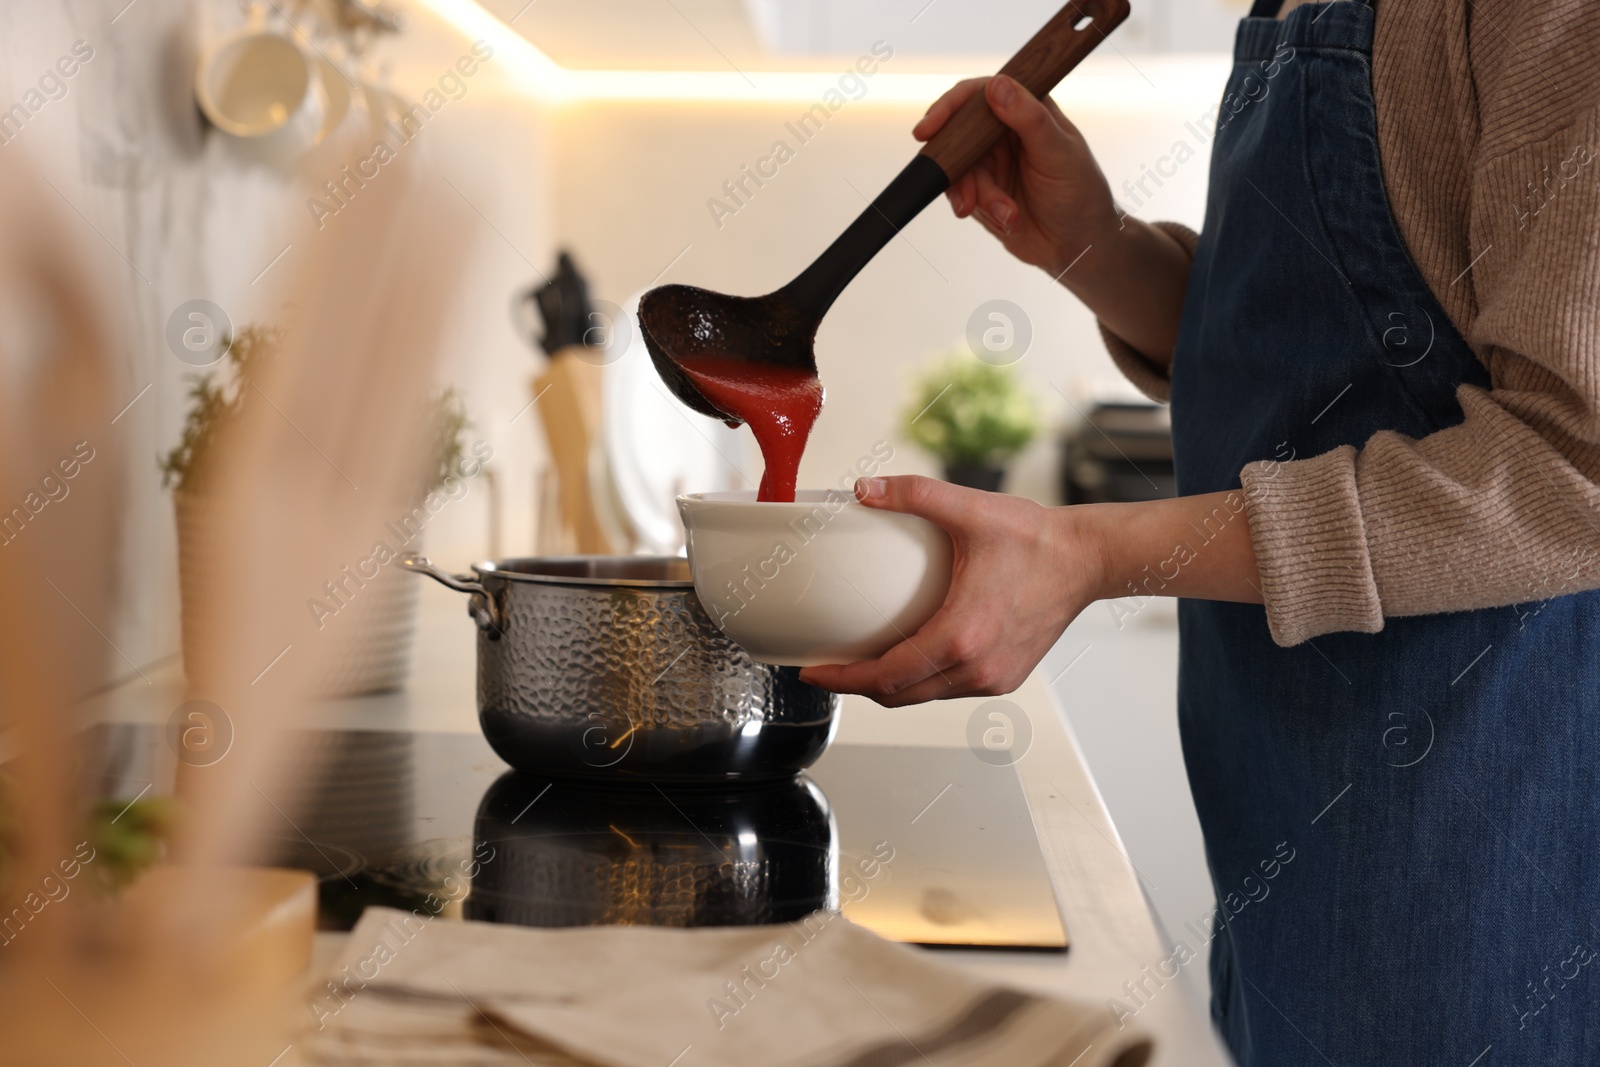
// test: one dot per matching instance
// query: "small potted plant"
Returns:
(375, 618)
(973, 416)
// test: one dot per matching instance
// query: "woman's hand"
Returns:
(1042, 194)
(1022, 573)
(1039, 190)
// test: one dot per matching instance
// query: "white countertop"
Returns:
(1115, 938)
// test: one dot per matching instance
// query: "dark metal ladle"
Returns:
(681, 322)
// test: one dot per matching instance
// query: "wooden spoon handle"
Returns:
(1041, 63)
(971, 131)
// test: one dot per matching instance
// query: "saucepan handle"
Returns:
(480, 605)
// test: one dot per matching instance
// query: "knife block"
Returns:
(568, 395)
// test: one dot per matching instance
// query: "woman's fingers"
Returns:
(904, 665)
(1060, 116)
(948, 657)
(929, 661)
(993, 201)
(946, 506)
(938, 687)
(1034, 124)
(1039, 149)
(947, 105)
(963, 194)
(1020, 573)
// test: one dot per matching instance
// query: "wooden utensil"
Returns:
(571, 419)
(571, 413)
(682, 322)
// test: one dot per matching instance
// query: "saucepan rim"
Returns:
(633, 572)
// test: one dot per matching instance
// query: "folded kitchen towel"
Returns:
(821, 992)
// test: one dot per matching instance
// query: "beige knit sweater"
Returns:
(1489, 129)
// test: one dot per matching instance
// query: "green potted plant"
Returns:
(369, 622)
(973, 416)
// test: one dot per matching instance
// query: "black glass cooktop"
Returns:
(925, 845)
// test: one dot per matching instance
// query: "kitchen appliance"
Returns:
(819, 580)
(1121, 452)
(610, 668)
(682, 322)
(925, 845)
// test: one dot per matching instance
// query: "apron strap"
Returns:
(1268, 9)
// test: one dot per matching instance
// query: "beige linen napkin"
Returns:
(817, 993)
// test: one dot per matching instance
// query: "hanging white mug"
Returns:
(260, 87)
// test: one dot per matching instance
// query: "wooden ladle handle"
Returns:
(1041, 63)
(1073, 33)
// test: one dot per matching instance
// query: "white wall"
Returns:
(632, 183)
(167, 212)
(957, 27)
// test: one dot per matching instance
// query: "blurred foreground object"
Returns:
(373, 644)
(197, 962)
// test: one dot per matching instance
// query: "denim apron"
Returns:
(1401, 827)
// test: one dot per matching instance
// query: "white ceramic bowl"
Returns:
(821, 580)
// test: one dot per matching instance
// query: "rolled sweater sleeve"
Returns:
(1504, 508)
(1153, 381)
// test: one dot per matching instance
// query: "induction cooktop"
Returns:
(924, 845)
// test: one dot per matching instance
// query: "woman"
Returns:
(1383, 358)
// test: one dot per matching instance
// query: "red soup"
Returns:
(780, 405)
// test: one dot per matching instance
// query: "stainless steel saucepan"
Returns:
(609, 667)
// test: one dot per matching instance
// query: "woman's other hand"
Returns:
(1040, 191)
(1022, 572)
